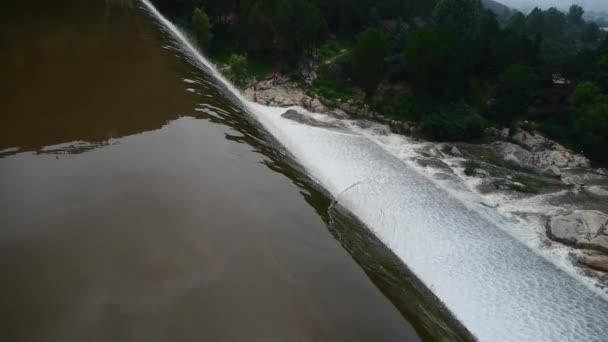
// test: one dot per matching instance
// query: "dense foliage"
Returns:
(460, 67)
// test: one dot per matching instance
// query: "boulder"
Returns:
(532, 141)
(581, 228)
(512, 160)
(338, 114)
(317, 106)
(456, 152)
(346, 107)
(509, 150)
(597, 191)
(305, 119)
(434, 163)
(553, 171)
(593, 259)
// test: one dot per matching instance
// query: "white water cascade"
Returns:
(493, 284)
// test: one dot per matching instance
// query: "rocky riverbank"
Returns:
(511, 171)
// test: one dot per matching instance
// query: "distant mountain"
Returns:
(527, 5)
(501, 11)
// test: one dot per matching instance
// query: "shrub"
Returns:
(453, 125)
(238, 69)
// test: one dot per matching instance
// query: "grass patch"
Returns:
(259, 69)
(507, 178)
(330, 50)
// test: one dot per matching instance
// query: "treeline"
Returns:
(288, 27)
(462, 69)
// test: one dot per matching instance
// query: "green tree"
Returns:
(535, 22)
(257, 27)
(554, 23)
(585, 93)
(517, 23)
(300, 25)
(591, 33)
(238, 69)
(513, 94)
(438, 64)
(461, 15)
(367, 59)
(202, 28)
(590, 117)
(575, 15)
(453, 123)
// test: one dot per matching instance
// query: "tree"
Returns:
(367, 59)
(585, 93)
(590, 117)
(591, 33)
(453, 123)
(463, 16)
(517, 23)
(535, 22)
(513, 94)
(238, 69)
(202, 28)
(300, 25)
(257, 30)
(438, 64)
(554, 23)
(575, 15)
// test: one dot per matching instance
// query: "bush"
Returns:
(238, 69)
(453, 125)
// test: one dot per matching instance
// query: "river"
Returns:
(141, 203)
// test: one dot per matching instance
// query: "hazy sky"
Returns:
(595, 5)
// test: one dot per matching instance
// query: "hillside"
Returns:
(502, 11)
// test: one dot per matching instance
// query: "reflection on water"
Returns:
(93, 77)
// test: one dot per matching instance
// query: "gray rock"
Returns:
(512, 160)
(593, 259)
(346, 107)
(338, 114)
(306, 120)
(581, 228)
(456, 152)
(597, 191)
(509, 150)
(317, 106)
(434, 163)
(553, 171)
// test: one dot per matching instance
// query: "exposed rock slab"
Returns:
(581, 228)
(594, 260)
(307, 120)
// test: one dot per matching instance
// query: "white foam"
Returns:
(9, 150)
(496, 286)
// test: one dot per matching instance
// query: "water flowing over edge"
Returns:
(498, 288)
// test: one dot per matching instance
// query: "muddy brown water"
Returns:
(140, 204)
